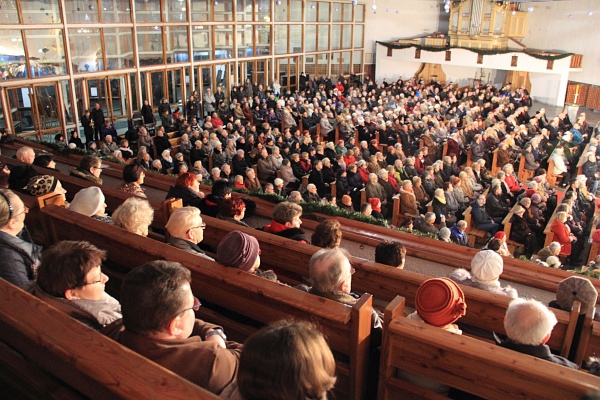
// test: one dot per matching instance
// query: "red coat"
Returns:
(512, 183)
(561, 235)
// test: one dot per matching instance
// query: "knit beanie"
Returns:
(238, 250)
(500, 235)
(88, 201)
(41, 185)
(375, 203)
(440, 301)
(487, 266)
(576, 288)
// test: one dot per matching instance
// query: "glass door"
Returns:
(20, 100)
(287, 72)
(97, 93)
(119, 100)
(34, 110)
(47, 119)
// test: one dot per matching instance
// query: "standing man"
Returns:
(88, 129)
(98, 118)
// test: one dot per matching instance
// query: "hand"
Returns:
(443, 219)
(217, 339)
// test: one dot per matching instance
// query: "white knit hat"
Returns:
(487, 266)
(88, 201)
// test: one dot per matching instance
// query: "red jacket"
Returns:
(561, 235)
(512, 183)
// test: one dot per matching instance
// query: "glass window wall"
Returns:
(175, 11)
(9, 13)
(12, 55)
(46, 12)
(46, 52)
(200, 10)
(177, 44)
(119, 48)
(115, 11)
(223, 41)
(202, 44)
(150, 45)
(86, 50)
(147, 10)
(81, 12)
(223, 10)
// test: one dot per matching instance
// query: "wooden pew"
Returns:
(524, 174)
(495, 166)
(290, 258)
(512, 245)
(469, 157)
(46, 354)
(470, 365)
(348, 329)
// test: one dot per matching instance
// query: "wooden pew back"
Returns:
(476, 367)
(46, 354)
(347, 328)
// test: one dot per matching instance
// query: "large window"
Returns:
(150, 45)
(86, 50)
(46, 52)
(119, 48)
(12, 55)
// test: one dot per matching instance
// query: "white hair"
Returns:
(528, 321)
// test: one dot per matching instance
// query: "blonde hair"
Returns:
(134, 215)
(289, 360)
(562, 216)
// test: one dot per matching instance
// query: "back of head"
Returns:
(239, 250)
(88, 201)
(576, 288)
(327, 234)
(487, 266)
(132, 172)
(20, 176)
(528, 322)
(390, 253)
(286, 361)
(326, 269)
(286, 211)
(221, 188)
(134, 215)
(65, 265)
(152, 295)
(88, 162)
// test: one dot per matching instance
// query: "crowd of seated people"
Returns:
(417, 175)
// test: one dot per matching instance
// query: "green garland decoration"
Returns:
(488, 52)
(590, 274)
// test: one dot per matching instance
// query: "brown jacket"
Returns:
(203, 363)
(408, 203)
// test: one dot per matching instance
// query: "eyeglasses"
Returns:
(203, 226)
(195, 307)
(99, 280)
(25, 211)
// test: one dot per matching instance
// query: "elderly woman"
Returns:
(133, 178)
(562, 234)
(521, 232)
(166, 161)
(187, 188)
(19, 256)
(560, 164)
(233, 209)
(486, 268)
(241, 251)
(420, 193)
(134, 215)
(90, 202)
(440, 208)
(251, 181)
(70, 278)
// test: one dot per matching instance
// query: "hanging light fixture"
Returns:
(374, 7)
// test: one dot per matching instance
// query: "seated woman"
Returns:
(133, 178)
(285, 361)
(134, 215)
(439, 302)
(521, 233)
(233, 209)
(441, 209)
(90, 202)
(187, 188)
(70, 278)
(563, 235)
(239, 250)
(19, 256)
(327, 234)
(44, 184)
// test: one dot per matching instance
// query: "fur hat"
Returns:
(238, 250)
(41, 185)
(576, 288)
(88, 201)
(440, 301)
(487, 266)
(553, 262)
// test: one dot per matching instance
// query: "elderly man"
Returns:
(26, 155)
(331, 277)
(109, 147)
(266, 170)
(375, 190)
(425, 223)
(186, 230)
(158, 316)
(90, 168)
(481, 218)
(311, 195)
(528, 325)
(316, 178)
(458, 234)
(553, 249)
(239, 163)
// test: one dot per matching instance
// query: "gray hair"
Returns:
(325, 269)
(554, 246)
(528, 321)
